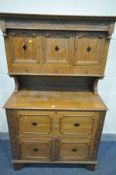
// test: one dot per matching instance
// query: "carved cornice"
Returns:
(56, 22)
(54, 25)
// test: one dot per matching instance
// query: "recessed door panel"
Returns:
(78, 124)
(58, 52)
(23, 51)
(36, 150)
(90, 53)
(34, 122)
(74, 150)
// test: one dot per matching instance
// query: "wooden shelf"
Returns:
(55, 100)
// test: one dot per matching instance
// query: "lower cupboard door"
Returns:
(74, 151)
(36, 150)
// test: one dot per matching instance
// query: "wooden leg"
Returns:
(17, 166)
(91, 167)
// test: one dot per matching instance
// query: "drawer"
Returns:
(74, 150)
(78, 123)
(58, 48)
(39, 150)
(34, 122)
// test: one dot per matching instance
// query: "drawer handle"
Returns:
(35, 123)
(76, 124)
(74, 149)
(24, 47)
(56, 48)
(35, 149)
(88, 49)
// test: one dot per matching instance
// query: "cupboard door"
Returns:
(23, 52)
(74, 150)
(36, 150)
(34, 122)
(78, 124)
(90, 53)
(57, 52)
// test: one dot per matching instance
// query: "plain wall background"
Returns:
(106, 87)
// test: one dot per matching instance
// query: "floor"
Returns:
(106, 165)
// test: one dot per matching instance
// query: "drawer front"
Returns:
(74, 150)
(33, 122)
(39, 150)
(23, 51)
(78, 123)
(58, 50)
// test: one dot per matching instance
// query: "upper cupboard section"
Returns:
(56, 52)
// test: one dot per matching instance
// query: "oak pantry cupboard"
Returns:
(55, 114)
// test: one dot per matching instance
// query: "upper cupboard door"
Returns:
(23, 51)
(90, 53)
(58, 50)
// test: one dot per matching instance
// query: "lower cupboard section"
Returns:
(55, 149)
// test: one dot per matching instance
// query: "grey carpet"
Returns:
(106, 163)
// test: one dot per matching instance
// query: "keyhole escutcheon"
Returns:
(56, 48)
(24, 47)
